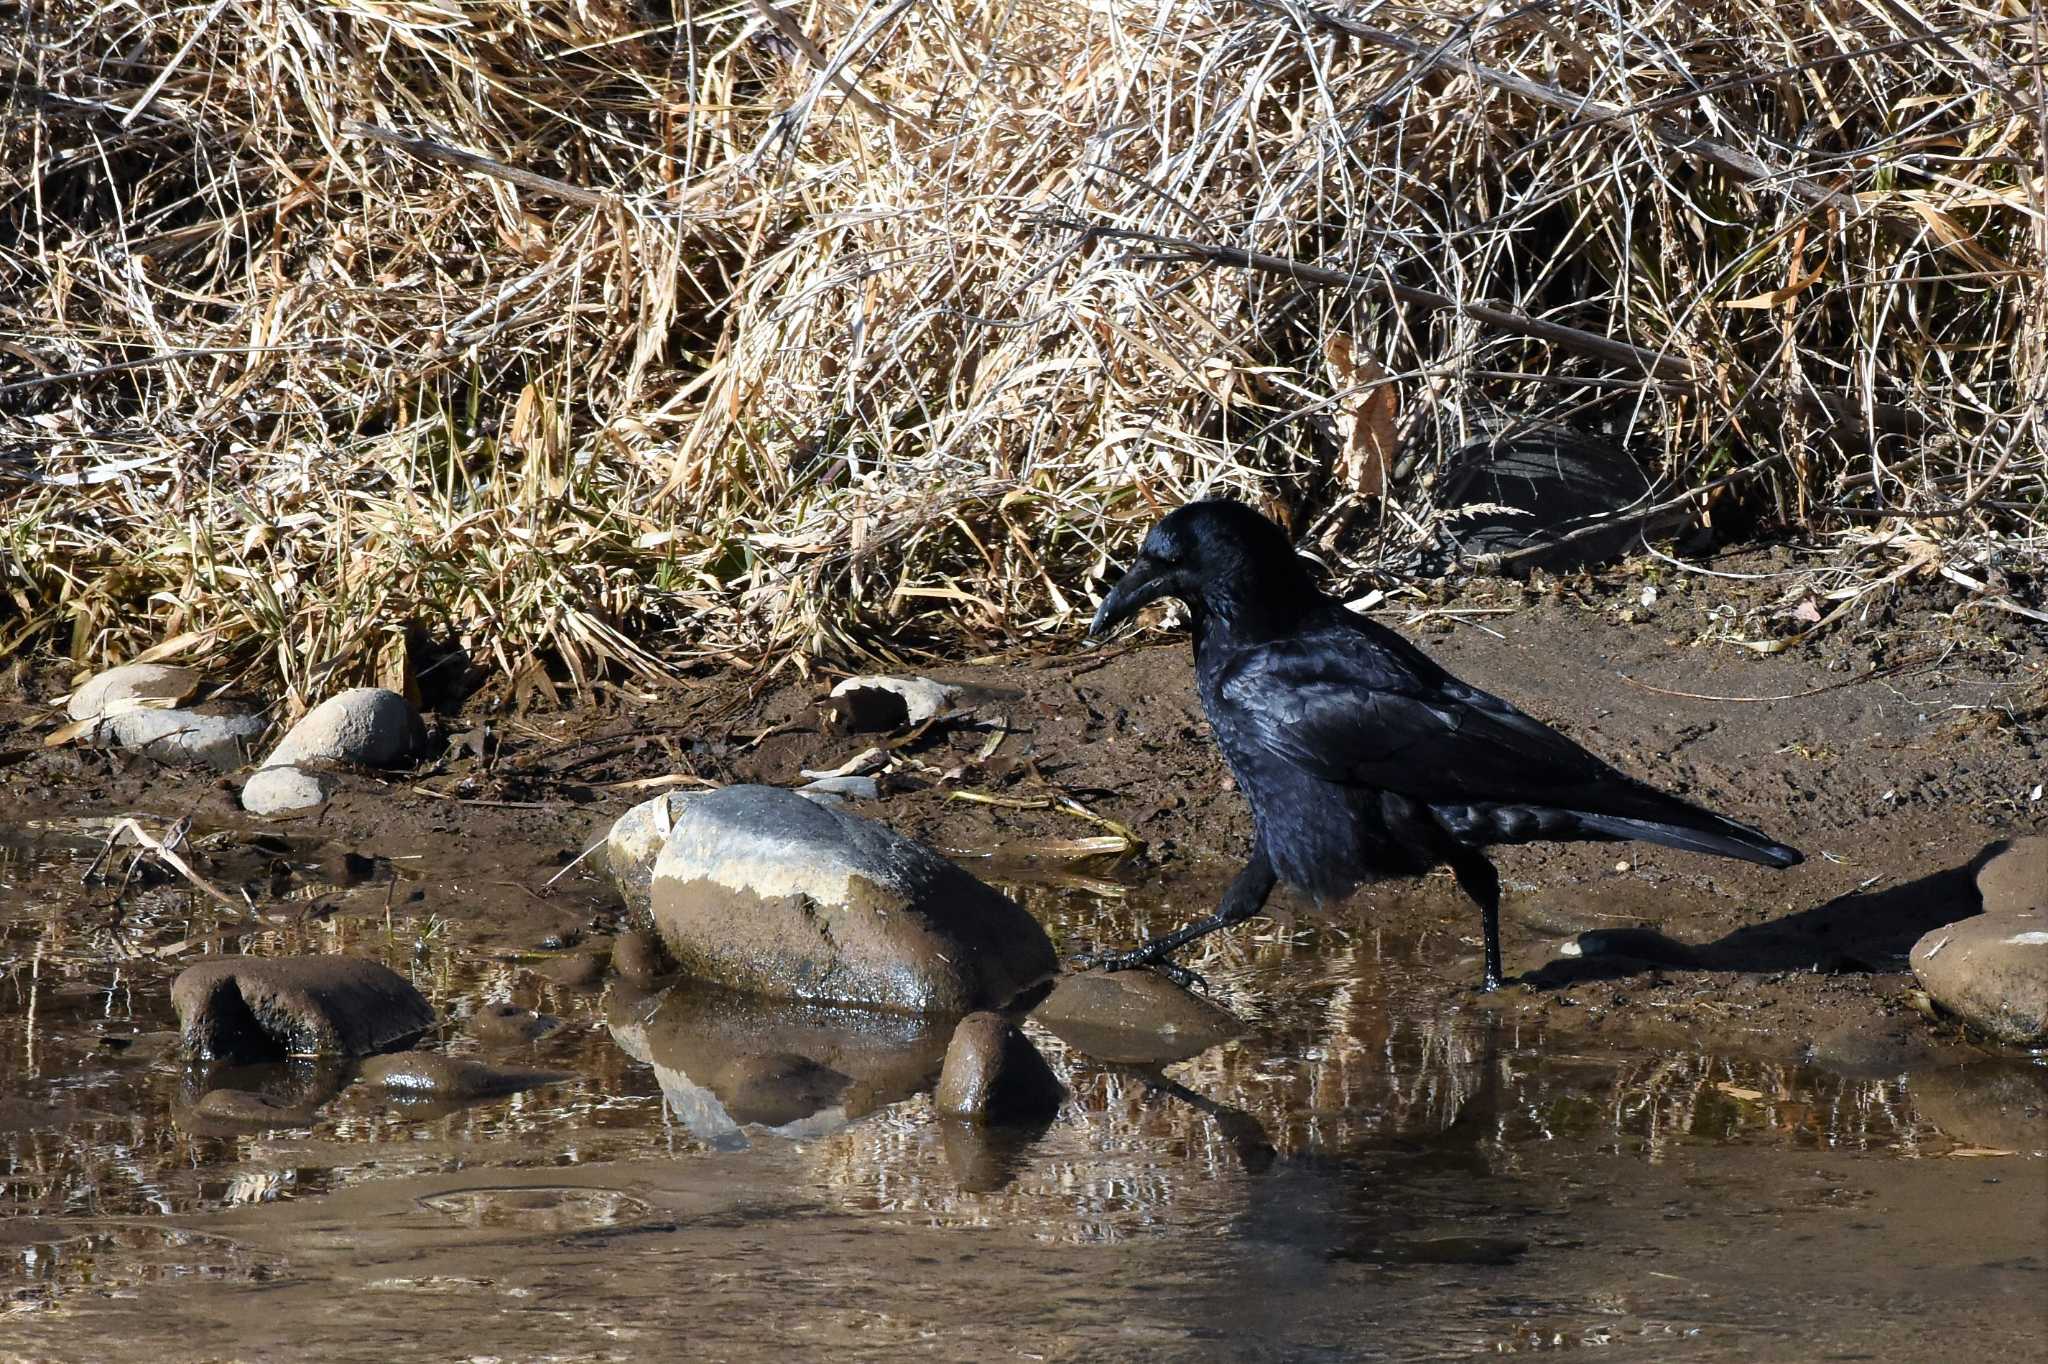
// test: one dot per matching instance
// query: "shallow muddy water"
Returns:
(1381, 1167)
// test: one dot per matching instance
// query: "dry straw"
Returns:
(632, 337)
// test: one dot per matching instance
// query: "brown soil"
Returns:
(1892, 748)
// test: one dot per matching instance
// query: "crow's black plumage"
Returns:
(1361, 758)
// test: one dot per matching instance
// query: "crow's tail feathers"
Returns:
(1703, 833)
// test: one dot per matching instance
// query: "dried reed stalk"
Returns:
(749, 333)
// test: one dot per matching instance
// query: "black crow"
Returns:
(1361, 758)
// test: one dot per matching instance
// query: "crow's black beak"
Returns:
(1146, 582)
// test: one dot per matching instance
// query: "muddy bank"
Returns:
(1892, 750)
(1619, 1150)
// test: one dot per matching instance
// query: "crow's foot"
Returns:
(1139, 958)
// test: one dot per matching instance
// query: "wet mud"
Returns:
(1739, 1140)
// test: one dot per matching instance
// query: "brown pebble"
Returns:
(994, 1075)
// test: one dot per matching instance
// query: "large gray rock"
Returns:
(367, 726)
(216, 738)
(105, 693)
(363, 727)
(993, 1074)
(135, 707)
(268, 1008)
(1992, 972)
(636, 839)
(1133, 1018)
(764, 891)
(2016, 877)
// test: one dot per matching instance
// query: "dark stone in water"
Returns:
(1134, 1018)
(428, 1075)
(993, 1074)
(267, 1008)
(507, 1022)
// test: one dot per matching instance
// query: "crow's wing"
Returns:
(1362, 707)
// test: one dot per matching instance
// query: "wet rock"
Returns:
(429, 1075)
(1630, 944)
(249, 1106)
(993, 1074)
(1134, 1018)
(764, 891)
(732, 1064)
(640, 959)
(636, 839)
(2002, 1106)
(865, 704)
(2016, 877)
(1992, 972)
(366, 726)
(105, 693)
(508, 1023)
(275, 791)
(259, 1009)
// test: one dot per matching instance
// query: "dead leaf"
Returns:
(1792, 288)
(1368, 414)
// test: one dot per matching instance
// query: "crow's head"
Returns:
(1221, 558)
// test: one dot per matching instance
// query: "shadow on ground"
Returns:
(1862, 932)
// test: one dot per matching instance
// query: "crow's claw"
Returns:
(1140, 958)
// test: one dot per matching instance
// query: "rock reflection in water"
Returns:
(729, 1063)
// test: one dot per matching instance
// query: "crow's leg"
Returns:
(1478, 879)
(1246, 897)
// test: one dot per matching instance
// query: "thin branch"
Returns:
(1842, 407)
(430, 150)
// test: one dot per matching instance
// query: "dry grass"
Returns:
(594, 333)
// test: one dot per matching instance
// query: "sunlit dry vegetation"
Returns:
(625, 337)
